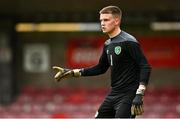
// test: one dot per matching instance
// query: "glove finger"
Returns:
(65, 75)
(58, 68)
(138, 111)
(141, 109)
(57, 75)
(132, 110)
(135, 110)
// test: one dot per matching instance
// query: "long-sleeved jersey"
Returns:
(128, 64)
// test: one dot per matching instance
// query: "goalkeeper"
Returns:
(130, 70)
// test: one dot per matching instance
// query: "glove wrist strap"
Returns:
(77, 72)
(141, 89)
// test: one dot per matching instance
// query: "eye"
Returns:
(106, 19)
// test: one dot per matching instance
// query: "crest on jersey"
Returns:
(117, 50)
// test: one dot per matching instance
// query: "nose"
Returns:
(102, 23)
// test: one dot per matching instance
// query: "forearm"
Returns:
(137, 55)
(95, 70)
(145, 72)
(144, 79)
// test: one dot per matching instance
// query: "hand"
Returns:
(137, 105)
(65, 73)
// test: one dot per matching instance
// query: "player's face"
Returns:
(108, 23)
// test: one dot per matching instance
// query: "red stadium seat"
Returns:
(59, 115)
(83, 103)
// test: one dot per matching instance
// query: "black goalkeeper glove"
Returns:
(63, 73)
(137, 104)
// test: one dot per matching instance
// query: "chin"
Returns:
(104, 31)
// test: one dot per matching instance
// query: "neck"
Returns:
(114, 32)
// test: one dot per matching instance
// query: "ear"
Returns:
(117, 21)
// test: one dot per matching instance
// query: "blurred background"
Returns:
(37, 34)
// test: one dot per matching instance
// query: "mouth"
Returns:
(103, 28)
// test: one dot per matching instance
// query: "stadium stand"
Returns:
(66, 102)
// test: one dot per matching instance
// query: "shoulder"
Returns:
(128, 37)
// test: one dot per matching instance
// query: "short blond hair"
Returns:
(114, 10)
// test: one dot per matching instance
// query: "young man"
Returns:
(130, 70)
